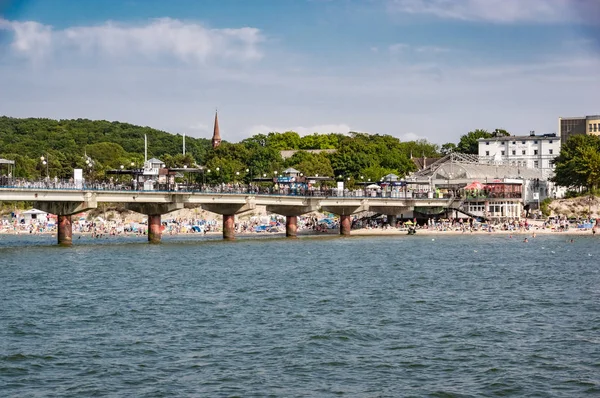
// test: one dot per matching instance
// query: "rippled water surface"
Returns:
(366, 317)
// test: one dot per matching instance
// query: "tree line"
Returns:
(98, 145)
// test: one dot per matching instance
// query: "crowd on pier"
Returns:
(319, 190)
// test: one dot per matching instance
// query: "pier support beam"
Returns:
(229, 226)
(154, 228)
(291, 226)
(291, 214)
(228, 211)
(345, 225)
(65, 231)
(392, 219)
(154, 212)
(64, 211)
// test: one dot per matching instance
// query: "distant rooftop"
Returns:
(590, 117)
(522, 138)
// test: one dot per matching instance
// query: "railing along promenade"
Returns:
(66, 198)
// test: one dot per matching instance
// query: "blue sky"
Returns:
(431, 69)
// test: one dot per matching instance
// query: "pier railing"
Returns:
(237, 189)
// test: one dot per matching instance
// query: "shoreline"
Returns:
(335, 232)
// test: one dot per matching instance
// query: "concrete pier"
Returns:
(345, 225)
(154, 212)
(291, 226)
(65, 230)
(229, 226)
(154, 228)
(392, 219)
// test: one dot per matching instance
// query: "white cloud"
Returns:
(410, 137)
(432, 49)
(501, 11)
(30, 37)
(397, 48)
(165, 37)
(321, 129)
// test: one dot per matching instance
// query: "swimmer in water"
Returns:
(525, 241)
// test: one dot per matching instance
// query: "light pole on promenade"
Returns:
(45, 163)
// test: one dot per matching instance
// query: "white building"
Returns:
(532, 152)
(35, 216)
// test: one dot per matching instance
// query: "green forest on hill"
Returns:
(65, 144)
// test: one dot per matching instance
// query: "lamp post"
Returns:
(250, 179)
(45, 163)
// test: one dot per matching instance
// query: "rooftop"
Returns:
(544, 137)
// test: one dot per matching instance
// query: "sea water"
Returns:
(443, 316)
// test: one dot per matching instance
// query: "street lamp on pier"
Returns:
(45, 163)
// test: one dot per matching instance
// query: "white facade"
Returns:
(532, 152)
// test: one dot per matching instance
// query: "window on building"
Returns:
(535, 142)
(503, 153)
(536, 164)
(487, 143)
(487, 153)
(550, 141)
(551, 151)
(514, 142)
(523, 152)
(523, 142)
(535, 151)
(514, 152)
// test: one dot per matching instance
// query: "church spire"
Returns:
(216, 140)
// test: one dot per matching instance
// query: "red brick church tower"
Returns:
(216, 139)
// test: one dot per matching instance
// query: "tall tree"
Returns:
(578, 164)
(468, 142)
(447, 148)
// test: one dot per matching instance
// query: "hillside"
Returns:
(64, 143)
(581, 206)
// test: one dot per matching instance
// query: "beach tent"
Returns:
(35, 214)
(373, 186)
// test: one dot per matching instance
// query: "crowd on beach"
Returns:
(311, 223)
(99, 227)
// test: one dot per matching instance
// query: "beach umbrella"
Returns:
(475, 185)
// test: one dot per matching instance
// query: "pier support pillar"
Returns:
(392, 219)
(229, 226)
(65, 231)
(345, 225)
(291, 226)
(154, 228)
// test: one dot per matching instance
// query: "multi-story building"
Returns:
(570, 126)
(534, 152)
